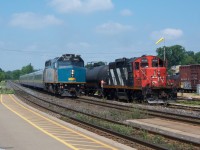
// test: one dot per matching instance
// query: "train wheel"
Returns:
(116, 96)
(110, 94)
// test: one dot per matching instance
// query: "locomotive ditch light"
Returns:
(72, 73)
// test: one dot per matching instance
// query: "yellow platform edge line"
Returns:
(49, 134)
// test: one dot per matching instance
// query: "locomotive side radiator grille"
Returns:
(112, 80)
(124, 75)
(118, 76)
(121, 82)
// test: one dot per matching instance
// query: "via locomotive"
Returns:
(140, 78)
(63, 75)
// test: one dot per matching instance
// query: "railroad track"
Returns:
(185, 107)
(104, 104)
(115, 135)
(50, 106)
(154, 113)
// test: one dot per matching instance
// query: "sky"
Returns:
(33, 31)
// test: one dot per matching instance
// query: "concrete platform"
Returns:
(170, 128)
(25, 128)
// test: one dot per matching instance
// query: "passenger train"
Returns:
(65, 76)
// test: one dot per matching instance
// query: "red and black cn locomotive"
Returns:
(139, 78)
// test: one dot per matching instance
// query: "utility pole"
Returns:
(160, 40)
(164, 51)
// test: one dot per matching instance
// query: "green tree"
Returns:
(189, 58)
(16, 74)
(190, 53)
(197, 57)
(27, 69)
(174, 54)
(8, 75)
(2, 75)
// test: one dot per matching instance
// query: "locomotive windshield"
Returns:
(62, 64)
(157, 62)
(144, 63)
(70, 60)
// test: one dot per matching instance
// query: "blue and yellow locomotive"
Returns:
(63, 75)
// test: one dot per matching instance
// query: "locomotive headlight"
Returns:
(72, 73)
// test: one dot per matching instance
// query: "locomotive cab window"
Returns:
(62, 64)
(155, 63)
(78, 63)
(47, 63)
(137, 66)
(144, 63)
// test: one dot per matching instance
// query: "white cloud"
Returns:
(85, 6)
(126, 12)
(31, 20)
(168, 33)
(113, 28)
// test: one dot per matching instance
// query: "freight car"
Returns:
(95, 73)
(187, 77)
(140, 78)
(63, 75)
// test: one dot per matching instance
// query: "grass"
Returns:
(190, 102)
(4, 89)
(138, 114)
(125, 130)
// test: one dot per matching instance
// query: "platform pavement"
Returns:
(170, 128)
(17, 134)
